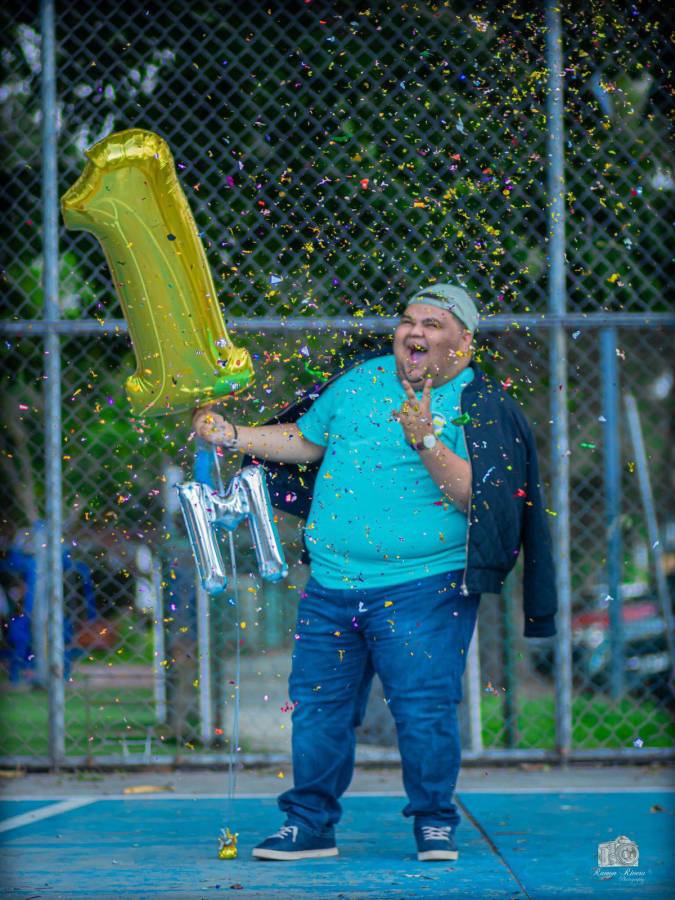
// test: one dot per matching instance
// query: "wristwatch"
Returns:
(428, 442)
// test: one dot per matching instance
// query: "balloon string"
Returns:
(234, 737)
(234, 740)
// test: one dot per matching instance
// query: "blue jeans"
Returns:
(415, 636)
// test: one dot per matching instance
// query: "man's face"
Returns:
(430, 343)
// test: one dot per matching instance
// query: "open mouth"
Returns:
(416, 353)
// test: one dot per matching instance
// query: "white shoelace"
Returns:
(436, 832)
(285, 830)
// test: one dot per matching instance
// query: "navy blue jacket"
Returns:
(507, 508)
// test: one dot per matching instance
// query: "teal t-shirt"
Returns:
(377, 516)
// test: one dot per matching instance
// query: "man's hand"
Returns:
(451, 473)
(415, 415)
(212, 427)
(282, 443)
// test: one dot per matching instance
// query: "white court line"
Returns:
(168, 795)
(53, 809)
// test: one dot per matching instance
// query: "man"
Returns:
(428, 485)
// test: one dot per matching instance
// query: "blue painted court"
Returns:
(524, 844)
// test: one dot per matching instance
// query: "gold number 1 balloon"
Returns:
(129, 197)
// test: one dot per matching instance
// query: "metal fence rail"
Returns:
(334, 161)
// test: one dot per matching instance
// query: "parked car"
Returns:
(646, 660)
(645, 646)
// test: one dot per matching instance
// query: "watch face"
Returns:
(429, 441)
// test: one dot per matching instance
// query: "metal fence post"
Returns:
(159, 640)
(509, 697)
(52, 392)
(39, 619)
(642, 465)
(612, 473)
(558, 369)
(473, 695)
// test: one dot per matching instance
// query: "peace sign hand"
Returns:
(415, 414)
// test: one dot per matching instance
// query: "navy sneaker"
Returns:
(435, 842)
(292, 842)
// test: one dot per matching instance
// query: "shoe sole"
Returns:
(297, 854)
(428, 855)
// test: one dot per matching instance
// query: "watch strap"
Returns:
(420, 445)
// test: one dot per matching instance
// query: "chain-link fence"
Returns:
(335, 158)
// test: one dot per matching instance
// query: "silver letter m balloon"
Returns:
(205, 510)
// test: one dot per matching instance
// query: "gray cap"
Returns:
(451, 297)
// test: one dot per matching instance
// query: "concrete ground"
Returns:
(527, 833)
(273, 780)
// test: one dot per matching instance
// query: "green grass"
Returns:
(96, 723)
(595, 723)
(91, 723)
(133, 643)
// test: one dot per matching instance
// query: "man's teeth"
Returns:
(416, 354)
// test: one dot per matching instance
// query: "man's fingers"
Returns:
(426, 393)
(213, 420)
(407, 387)
(202, 419)
(214, 436)
(211, 427)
